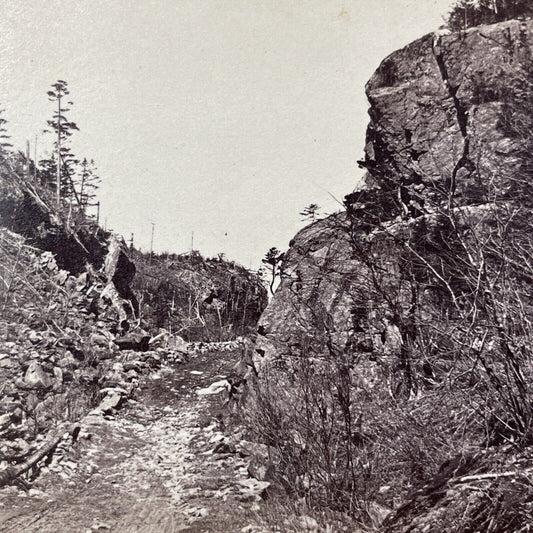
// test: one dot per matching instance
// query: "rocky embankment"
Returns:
(201, 299)
(73, 335)
(64, 350)
(57, 351)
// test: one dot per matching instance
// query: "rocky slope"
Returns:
(200, 299)
(401, 325)
(57, 352)
(73, 333)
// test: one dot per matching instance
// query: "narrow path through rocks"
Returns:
(168, 462)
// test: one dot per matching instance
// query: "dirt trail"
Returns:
(165, 463)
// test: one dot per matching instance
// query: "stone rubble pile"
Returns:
(60, 344)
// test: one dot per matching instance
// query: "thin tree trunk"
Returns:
(58, 176)
(13, 472)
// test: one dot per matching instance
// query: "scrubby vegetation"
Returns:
(198, 298)
(350, 430)
(467, 13)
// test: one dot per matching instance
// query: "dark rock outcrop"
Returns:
(449, 115)
(207, 299)
(23, 211)
(119, 272)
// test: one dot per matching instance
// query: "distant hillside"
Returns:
(198, 298)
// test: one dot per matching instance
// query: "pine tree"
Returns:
(311, 213)
(88, 180)
(5, 138)
(273, 259)
(63, 129)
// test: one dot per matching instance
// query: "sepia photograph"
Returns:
(266, 266)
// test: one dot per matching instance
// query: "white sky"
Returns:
(225, 118)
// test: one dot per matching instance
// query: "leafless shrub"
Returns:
(451, 295)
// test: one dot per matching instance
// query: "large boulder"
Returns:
(446, 114)
(119, 272)
(440, 112)
(36, 377)
(313, 292)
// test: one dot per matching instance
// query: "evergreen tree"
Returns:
(5, 138)
(63, 129)
(467, 13)
(88, 180)
(273, 259)
(311, 213)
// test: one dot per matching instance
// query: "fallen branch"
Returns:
(494, 475)
(13, 472)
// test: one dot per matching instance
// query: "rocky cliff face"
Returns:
(448, 126)
(440, 116)
(398, 340)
